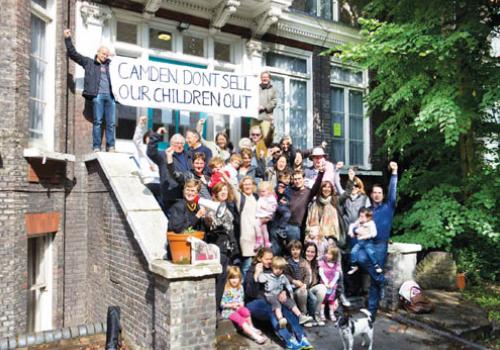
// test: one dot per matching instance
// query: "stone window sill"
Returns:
(47, 155)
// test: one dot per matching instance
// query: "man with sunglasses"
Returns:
(97, 88)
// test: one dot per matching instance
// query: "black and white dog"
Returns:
(350, 328)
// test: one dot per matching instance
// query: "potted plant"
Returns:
(460, 279)
(180, 248)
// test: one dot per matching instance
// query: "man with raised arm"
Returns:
(383, 213)
(97, 88)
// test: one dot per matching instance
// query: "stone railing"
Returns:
(164, 305)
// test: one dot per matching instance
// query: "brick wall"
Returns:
(13, 200)
(118, 273)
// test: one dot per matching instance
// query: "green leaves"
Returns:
(438, 89)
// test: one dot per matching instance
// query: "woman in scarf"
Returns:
(324, 223)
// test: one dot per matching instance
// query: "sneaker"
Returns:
(378, 269)
(344, 301)
(332, 316)
(292, 344)
(259, 339)
(304, 319)
(111, 149)
(308, 324)
(304, 344)
(352, 270)
(320, 322)
(283, 322)
(97, 150)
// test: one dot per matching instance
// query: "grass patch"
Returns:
(486, 295)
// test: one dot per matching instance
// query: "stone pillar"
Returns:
(399, 268)
(184, 306)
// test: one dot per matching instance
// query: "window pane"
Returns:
(193, 46)
(355, 127)
(37, 78)
(338, 128)
(159, 39)
(165, 118)
(222, 52)
(288, 63)
(187, 120)
(325, 9)
(126, 117)
(298, 113)
(126, 32)
(279, 111)
(42, 3)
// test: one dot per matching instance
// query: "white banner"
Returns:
(143, 83)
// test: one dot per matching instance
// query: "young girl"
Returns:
(315, 236)
(266, 206)
(329, 272)
(233, 308)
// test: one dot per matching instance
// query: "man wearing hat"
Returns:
(318, 157)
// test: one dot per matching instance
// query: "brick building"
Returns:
(52, 215)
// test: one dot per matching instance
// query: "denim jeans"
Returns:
(367, 246)
(292, 232)
(104, 109)
(377, 280)
(261, 310)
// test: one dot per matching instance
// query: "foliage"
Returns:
(488, 297)
(436, 83)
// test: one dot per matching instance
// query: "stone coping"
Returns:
(39, 153)
(404, 248)
(172, 271)
(143, 213)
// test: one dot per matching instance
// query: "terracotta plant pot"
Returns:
(460, 280)
(180, 248)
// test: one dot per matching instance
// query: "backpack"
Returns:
(413, 300)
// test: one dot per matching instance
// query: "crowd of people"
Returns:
(291, 237)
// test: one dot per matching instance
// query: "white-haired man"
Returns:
(97, 88)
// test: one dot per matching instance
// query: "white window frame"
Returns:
(40, 309)
(363, 88)
(287, 76)
(47, 15)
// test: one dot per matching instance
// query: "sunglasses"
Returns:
(255, 134)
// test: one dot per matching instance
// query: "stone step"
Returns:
(454, 314)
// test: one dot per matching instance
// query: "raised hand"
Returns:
(393, 166)
(143, 120)
(67, 33)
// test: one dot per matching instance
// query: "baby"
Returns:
(364, 230)
(232, 169)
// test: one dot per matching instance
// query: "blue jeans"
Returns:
(367, 246)
(261, 310)
(377, 280)
(246, 262)
(104, 108)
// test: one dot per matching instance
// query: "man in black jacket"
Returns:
(97, 87)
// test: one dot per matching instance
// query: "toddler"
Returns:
(266, 206)
(364, 230)
(232, 169)
(216, 165)
(276, 282)
(315, 236)
(233, 308)
(329, 273)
